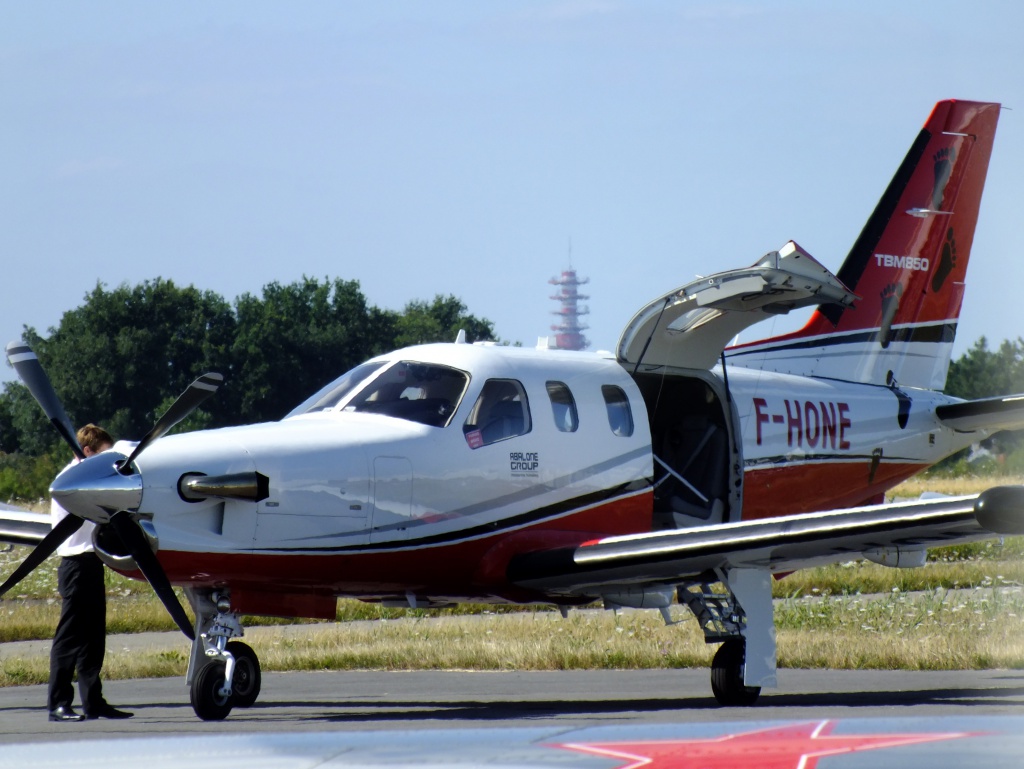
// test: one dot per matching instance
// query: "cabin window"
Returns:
(419, 392)
(620, 418)
(502, 411)
(563, 407)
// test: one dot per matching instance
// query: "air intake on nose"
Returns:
(253, 487)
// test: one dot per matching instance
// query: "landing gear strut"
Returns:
(223, 674)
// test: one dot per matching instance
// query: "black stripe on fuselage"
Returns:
(770, 463)
(932, 333)
(537, 515)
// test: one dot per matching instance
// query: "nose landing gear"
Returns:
(211, 699)
(223, 674)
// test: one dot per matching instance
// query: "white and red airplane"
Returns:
(475, 472)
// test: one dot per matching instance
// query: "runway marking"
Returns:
(797, 746)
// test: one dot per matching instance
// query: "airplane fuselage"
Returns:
(398, 507)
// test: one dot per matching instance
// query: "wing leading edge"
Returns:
(22, 527)
(880, 532)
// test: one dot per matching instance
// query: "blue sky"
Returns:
(449, 147)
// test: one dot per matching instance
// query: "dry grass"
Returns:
(955, 487)
(974, 629)
(525, 641)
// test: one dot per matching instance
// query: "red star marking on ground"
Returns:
(798, 746)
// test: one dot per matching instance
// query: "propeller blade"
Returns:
(187, 402)
(67, 526)
(134, 540)
(38, 383)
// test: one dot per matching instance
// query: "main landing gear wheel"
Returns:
(246, 681)
(207, 701)
(727, 675)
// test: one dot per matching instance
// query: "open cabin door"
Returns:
(670, 347)
(691, 325)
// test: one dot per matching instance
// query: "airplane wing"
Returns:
(691, 325)
(991, 414)
(22, 527)
(879, 532)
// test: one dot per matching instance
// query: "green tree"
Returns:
(439, 321)
(115, 359)
(982, 373)
(124, 355)
(297, 338)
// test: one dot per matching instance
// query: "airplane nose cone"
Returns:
(94, 489)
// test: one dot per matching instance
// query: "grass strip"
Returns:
(941, 630)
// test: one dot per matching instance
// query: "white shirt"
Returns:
(79, 542)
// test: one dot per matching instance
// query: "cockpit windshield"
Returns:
(329, 396)
(420, 392)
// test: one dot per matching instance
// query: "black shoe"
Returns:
(65, 713)
(108, 711)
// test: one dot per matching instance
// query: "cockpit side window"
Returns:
(563, 407)
(620, 417)
(420, 392)
(502, 411)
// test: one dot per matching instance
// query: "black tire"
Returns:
(727, 675)
(247, 679)
(207, 702)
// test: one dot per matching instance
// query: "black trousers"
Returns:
(80, 640)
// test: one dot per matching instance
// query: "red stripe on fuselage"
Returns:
(466, 569)
(807, 488)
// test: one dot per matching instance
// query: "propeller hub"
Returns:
(94, 489)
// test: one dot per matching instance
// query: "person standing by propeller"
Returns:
(79, 642)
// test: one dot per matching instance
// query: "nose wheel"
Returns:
(247, 680)
(207, 693)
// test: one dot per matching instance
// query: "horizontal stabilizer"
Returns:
(988, 414)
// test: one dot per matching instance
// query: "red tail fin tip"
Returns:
(908, 265)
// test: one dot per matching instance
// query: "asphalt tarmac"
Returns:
(596, 719)
(373, 701)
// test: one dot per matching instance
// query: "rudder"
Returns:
(907, 265)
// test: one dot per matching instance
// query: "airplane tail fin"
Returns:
(907, 266)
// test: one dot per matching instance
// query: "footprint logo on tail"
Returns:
(890, 304)
(946, 262)
(943, 168)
